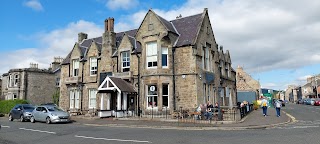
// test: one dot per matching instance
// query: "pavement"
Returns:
(254, 120)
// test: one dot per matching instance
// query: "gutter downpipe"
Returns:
(173, 79)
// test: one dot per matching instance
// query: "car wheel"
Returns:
(32, 120)
(48, 120)
(21, 118)
(10, 118)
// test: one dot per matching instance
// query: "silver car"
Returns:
(49, 114)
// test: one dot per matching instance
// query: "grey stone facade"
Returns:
(184, 69)
(32, 84)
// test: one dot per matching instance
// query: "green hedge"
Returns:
(7, 105)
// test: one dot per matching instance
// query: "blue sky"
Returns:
(276, 42)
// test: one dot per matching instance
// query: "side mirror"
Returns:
(44, 111)
(19, 109)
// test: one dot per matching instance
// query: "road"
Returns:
(305, 130)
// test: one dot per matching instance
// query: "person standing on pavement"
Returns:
(264, 105)
(278, 107)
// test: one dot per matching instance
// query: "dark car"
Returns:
(21, 112)
(282, 103)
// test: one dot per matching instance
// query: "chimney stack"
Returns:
(82, 36)
(109, 25)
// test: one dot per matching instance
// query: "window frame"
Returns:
(152, 53)
(93, 66)
(92, 98)
(75, 71)
(163, 95)
(164, 52)
(16, 79)
(74, 99)
(125, 59)
(154, 105)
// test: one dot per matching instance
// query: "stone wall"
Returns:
(40, 87)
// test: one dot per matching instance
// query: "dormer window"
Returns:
(152, 55)
(75, 67)
(93, 66)
(125, 61)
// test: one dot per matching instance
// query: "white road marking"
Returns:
(38, 131)
(2, 126)
(106, 139)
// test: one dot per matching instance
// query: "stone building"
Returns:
(162, 65)
(246, 85)
(32, 84)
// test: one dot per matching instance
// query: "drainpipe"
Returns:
(81, 89)
(173, 79)
(138, 99)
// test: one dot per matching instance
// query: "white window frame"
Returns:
(93, 66)
(92, 98)
(153, 105)
(164, 51)
(74, 99)
(10, 80)
(152, 54)
(125, 55)
(16, 78)
(165, 95)
(71, 99)
(75, 67)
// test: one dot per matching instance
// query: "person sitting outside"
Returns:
(209, 113)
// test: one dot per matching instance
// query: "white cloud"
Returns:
(34, 4)
(54, 43)
(121, 4)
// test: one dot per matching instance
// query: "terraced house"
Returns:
(162, 65)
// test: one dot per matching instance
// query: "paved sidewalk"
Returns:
(254, 120)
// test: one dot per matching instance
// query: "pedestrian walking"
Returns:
(264, 105)
(278, 107)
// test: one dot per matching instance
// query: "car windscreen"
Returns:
(54, 109)
(28, 107)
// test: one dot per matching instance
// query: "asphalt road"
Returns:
(305, 130)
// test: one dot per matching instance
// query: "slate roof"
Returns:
(123, 85)
(186, 27)
(168, 25)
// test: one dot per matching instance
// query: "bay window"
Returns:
(165, 95)
(152, 96)
(92, 98)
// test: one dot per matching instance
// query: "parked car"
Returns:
(53, 104)
(49, 114)
(300, 101)
(317, 102)
(21, 112)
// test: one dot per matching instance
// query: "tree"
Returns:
(56, 96)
